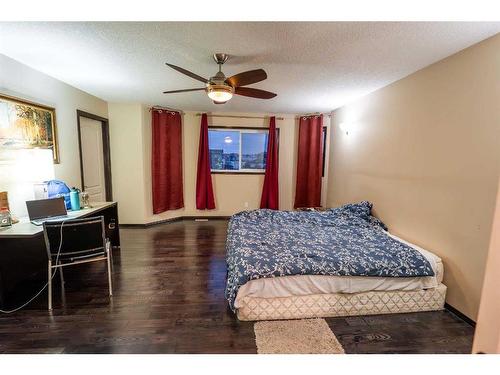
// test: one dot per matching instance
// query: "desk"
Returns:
(22, 247)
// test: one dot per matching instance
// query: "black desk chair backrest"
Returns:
(76, 241)
(81, 239)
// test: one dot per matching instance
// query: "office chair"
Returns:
(83, 241)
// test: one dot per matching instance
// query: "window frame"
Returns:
(242, 129)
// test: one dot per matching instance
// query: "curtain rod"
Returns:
(161, 108)
(234, 116)
(315, 114)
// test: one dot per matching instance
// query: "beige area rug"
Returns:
(305, 336)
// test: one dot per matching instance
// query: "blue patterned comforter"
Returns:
(344, 241)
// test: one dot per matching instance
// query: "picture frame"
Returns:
(25, 125)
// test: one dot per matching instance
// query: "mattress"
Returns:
(306, 285)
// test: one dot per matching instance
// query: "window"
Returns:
(244, 150)
(238, 150)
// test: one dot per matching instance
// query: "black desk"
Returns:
(22, 247)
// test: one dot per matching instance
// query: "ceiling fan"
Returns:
(221, 89)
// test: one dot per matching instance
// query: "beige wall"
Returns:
(487, 335)
(131, 139)
(23, 82)
(127, 169)
(425, 151)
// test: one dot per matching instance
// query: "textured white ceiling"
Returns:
(312, 66)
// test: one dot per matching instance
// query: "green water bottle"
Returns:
(74, 197)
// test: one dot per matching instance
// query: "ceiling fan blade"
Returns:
(186, 90)
(247, 78)
(188, 73)
(254, 93)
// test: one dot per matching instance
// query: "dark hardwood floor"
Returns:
(169, 298)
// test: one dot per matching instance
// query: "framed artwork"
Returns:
(25, 124)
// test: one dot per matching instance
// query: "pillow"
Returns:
(361, 209)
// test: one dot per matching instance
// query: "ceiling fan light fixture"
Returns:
(220, 93)
(221, 89)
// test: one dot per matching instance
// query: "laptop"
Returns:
(42, 210)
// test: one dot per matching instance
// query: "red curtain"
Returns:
(270, 193)
(309, 162)
(166, 161)
(204, 191)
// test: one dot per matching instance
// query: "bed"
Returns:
(338, 262)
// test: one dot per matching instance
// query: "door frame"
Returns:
(105, 148)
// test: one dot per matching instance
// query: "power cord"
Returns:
(47, 283)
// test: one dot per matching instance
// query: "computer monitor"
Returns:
(46, 208)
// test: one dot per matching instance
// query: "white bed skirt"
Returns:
(341, 304)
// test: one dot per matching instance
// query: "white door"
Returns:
(93, 159)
